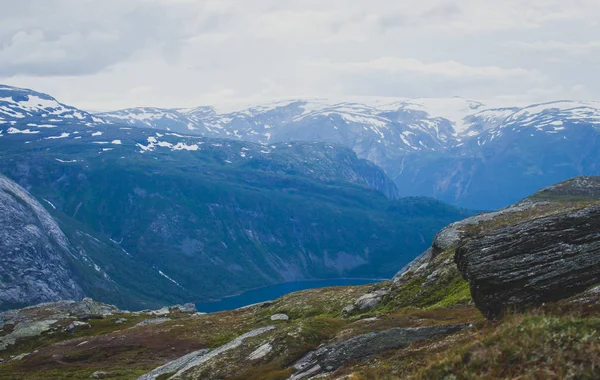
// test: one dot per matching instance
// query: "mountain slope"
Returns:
(214, 217)
(33, 252)
(33, 109)
(47, 256)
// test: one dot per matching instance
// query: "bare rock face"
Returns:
(33, 252)
(541, 260)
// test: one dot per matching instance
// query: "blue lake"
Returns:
(275, 291)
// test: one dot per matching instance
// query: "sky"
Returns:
(112, 54)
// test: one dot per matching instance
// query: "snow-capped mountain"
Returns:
(150, 117)
(406, 124)
(444, 148)
(422, 144)
(205, 217)
(35, 110)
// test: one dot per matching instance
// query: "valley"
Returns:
(431, 321)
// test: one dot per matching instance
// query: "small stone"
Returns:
(121, 321)
(162, 311)
(76, 325)
(279, 317)
(101, 375)
(348, 309)
(370, 300)
(19, 357)
(153, 321)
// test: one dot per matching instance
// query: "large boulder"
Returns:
(529, 263)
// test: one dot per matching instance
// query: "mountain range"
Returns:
(156, 217)
(459, 151)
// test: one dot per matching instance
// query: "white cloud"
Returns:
(446, 69)
(121, 53)
(559, 49)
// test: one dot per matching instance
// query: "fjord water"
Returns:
(275, 291)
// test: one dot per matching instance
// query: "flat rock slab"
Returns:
(543, 260)
(197, 358)
(333, 356)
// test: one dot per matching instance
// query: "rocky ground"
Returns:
(428, 323)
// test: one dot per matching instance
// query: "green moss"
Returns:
(449, 289)
(456, 293)
(8, 372)
(531, 346)
(267, 372)
(218, 340)
(319, 329)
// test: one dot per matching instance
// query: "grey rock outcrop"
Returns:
(333, 356)
(34, 252)
(83, 310)
(175, 365)
(370, 300)
(537, 261)
(197, 358)
(152, 321)
(25, 330)
(188, 308)
(77, 325)
(261, 352)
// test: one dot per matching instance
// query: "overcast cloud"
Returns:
(113, 54)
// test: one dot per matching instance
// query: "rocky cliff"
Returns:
(33, 252)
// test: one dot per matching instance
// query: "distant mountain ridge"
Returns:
(459, 151)
(451, 149)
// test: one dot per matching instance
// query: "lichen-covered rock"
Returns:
(348, 309)
(526, 264)
(279, 317)
(261, 352)
(152, 321)
(370, 300)
(189, 308)
(101, 375)
(26, 330)
(175, 365)
(76, 325)
(81, 310)
(333, 356)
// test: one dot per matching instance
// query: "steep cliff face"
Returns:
(33, 252)
(46, 257)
